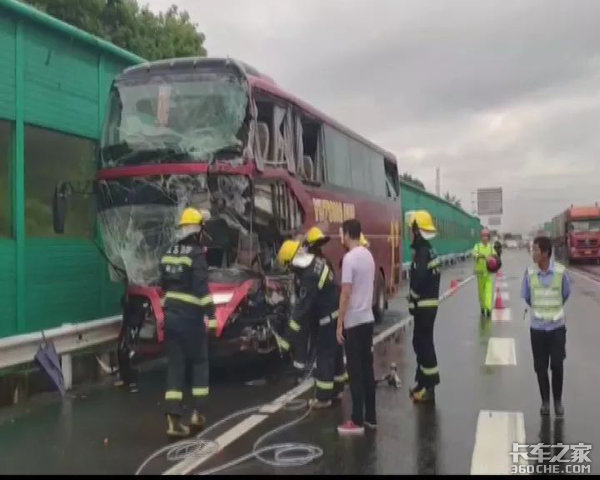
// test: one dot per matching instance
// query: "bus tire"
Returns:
(380, 301)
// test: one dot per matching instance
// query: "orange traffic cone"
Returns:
(499, 303)
(453, 285)
(499, 274)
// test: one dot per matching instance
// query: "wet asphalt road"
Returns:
(49, 436)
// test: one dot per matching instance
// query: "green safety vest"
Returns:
(481, 249)
(547, 302)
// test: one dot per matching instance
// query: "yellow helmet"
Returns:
(316, 237)
(423, 220)
(363, 241)
(288, 251)
(191, 216)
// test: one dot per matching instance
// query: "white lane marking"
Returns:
(583, 275)
(234, 433)
(494, 437)
(501, 351)
(501, 315)
(187, 466)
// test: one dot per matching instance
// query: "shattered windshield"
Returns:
(174, 117)
(138, 217)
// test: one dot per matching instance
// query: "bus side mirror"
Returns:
(59, 207)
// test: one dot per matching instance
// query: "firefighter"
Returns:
(315, 239)
(481, 252)
(317, 298)
(184, 279)
(423, 305)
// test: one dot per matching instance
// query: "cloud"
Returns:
(497, 93)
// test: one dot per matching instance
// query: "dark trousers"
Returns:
(427, 374)
(133, 319)
(299, 340)
(127, 337)
(549, 347)
(330, 374)
(187, 354)
(359, 359)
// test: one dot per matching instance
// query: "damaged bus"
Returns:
(217, 135)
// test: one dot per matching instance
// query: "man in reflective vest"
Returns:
(423, 305)
(184, 279)
(481, 252)
(317, 297)
(546, 288)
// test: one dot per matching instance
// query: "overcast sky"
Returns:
(499, 93)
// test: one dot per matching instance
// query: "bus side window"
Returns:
(392, 181)
(276, 203)
(279, 144)
(310, 164)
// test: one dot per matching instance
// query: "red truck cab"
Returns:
(576, 234)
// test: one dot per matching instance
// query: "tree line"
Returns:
(129, 26)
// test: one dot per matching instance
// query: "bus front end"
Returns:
(176, 136)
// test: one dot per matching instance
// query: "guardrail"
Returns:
(68, 338)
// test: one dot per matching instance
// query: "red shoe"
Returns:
(350, 428)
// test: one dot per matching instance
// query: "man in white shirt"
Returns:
(355, 328)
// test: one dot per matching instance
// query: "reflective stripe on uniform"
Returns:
(325, 320)
(294, 326)
(170, 260)
(433, 302)
(298, 365)
(200, 392)
(429, 371)
(324, 276)
(434, 263)
(341, 378)
(187, 298)
(324, 385)
(281, 342)
(173, 395)
(213, 323)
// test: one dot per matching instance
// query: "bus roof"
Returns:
(263, 82)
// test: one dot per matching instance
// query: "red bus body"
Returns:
(576, 234)
(320, 204)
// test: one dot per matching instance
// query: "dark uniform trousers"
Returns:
(317, 298)
(188, 300)
(549, 347)
(331, 374)
(427, 374)
(424, 301)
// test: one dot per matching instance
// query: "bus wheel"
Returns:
(380, 301)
